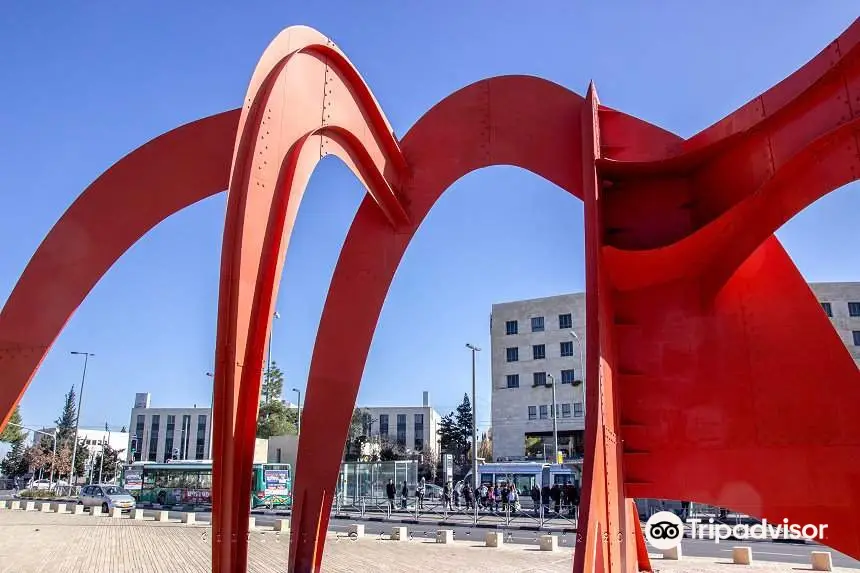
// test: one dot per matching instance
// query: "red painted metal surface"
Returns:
(713, 374)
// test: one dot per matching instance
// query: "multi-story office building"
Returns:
(414, 428)
(159, 434)
(532, 344)
(841, 302)
(94, 439)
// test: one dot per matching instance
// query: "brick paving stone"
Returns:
(45, 542)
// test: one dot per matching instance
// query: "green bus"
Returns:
(189, 482)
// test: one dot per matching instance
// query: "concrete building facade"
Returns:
(841, 302)
(159, 434)
(413, 427)
(533, 344)
(531, 340)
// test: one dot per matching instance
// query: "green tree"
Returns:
(463, 419)
(13, 465)
(449, 435)
(66, 421)
(13, 433)
(107, 472)
(534, 447)
(275, 419)
(273, 384)
(357, 434)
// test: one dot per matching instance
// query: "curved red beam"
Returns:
(158, 179)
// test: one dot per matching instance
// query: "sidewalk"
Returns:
(34, 542)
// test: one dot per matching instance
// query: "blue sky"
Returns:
(85, 83)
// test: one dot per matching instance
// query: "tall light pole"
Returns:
(299, 413)
(102, 461)
(211, 415)
(269, 359)
(581, 367)
(86, 356)
(554, 421)
(474, 350)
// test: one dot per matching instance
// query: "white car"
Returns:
(41, 484)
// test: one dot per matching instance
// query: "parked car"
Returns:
(43, 484)
(107, 496)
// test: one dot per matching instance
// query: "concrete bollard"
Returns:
(495, 539)
(45, 507)
(548, 542)
(445, 536)
(96, 511)
(355, 530)
(137, 514)
(30, 506)
(673, 553)
(188, 518)
(282, 525)
(15, 504)
(742, 555)
(115, 512)
(161, 515)
(252, 523)
(77, 510)
(399, 534)
(821, 561)
(59, 507)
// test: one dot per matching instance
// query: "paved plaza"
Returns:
(35, 542)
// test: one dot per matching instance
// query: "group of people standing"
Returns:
(499, 497)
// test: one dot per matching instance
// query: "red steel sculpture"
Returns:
(713, 373)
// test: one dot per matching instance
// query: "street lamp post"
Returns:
(86, 356)
(554, 420)
(211, 415)
(474, 350)
(299, 413)
(102, 461)
(269, 359)
(581, 367)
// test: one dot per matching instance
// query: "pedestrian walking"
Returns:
(404, 495)
(421, 491)
(390, 492)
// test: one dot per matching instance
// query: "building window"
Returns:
(168, 439)
(366, 424)
(539, 379)
(577, 409)
(532, 412)
(152, 453)
(419, 432)
(566, 348)
(137, 439)
(185, 436)
(512, 354)
(383, 425)
(511, 327)
(538, 351)
(567, 376)
(565, 410)
(537, 324)
(513, 380)
(401, 429)
(854, 309)
(278, 456)
(856, 335)
(565, 321)
(201, 437)
(828, 310)
(544, 412)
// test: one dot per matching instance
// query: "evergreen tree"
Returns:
(273, 384)
(106, 472)
(13, 465)
(275, 419)
(13, 432)
(66, 421)
(464, 424)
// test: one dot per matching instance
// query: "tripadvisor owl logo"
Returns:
(664, 530)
